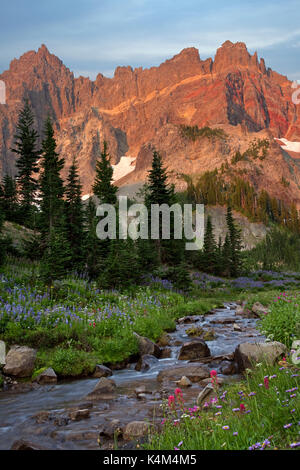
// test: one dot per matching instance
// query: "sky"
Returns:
(92, 36)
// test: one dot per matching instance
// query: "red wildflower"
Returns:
(266, 382)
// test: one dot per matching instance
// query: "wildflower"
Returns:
(266, 382)
(171, 401)
(242, 407)
(214, 377)
(225, 428)
(235, 433)
(295, 444)
(287, 426)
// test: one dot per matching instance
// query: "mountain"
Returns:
(141, 109)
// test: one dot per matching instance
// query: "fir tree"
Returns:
(158, 191)
(235, 244)
(27, 161)
(9, 199)
(75, 217)
(208, 257)
(103, 187)
(53, 225)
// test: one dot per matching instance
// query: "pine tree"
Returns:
(27, 161)
(235, 244)
(103, 187)
(75, 217)
(226, 257)
(53, 224)
(9, 199)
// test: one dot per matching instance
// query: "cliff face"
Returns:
(138, 110)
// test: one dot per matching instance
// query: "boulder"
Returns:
(164, 341)
(193, 350)
(136, 429)
(26, 445)
(194, 331)
(195, 373)
(228, 368)
(111, 430)
(146, 362)
(102, 371)
(48, 376)
(258, 309)
(248, 354)
(188, 319)
(78, 415)
(206, 394)
(20, 361)
(184, 382)
(236, 327)
(166, 353)
(146, 346)
(104, 390)
(209, 335)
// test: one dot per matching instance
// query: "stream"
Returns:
(17, 409)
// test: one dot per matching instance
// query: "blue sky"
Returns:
(93, 36)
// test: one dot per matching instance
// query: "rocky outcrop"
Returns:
(139, 109)
(248, 354)
(20, 361)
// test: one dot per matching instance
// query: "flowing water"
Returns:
(17, 409)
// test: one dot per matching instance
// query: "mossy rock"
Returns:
(195, 331)
(209, 335)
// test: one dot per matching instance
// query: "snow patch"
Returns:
(85, 197)
(290, 146)
(123, 168)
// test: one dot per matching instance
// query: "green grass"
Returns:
(270, 419)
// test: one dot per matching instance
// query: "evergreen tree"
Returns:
(27, 161)
(53, 225)
(235, 244)
(75, 217)
(208, 257)
(93, 252)
(9, 199)
(226, 257)
(158, 191)
(103, 187)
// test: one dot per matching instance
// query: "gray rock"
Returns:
(248, 354)
(146, 362)
(78, 415)
(184, 382)
(193, 350)
(206, 394)
(102, 371)
(20, 361)
(111, 430)
(46, 377)
(26, 445)
(136, 429)
(104, 390)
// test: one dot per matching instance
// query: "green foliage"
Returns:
(279, 251)
(258, 149)
(193, 133)
(269, 421)
(68, 362)
(282, 323)
(9, 199)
